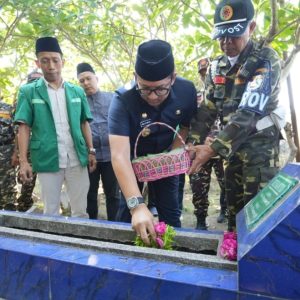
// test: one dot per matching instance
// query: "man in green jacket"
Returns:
(57, 114)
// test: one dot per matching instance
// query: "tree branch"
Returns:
(197, 12)
(10, 29)
(3, 3)
(274, 23)
(284, 28)
(289, 137)
(3, 21)
(88, 53)
(162, 17)
(130, 62)
(288, 60)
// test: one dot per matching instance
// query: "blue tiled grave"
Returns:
(269, 249)
(57, 258)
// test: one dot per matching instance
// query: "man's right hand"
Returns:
(25, 172)
(143, 223)
(208, 141)
(201, 153)
(14, 159)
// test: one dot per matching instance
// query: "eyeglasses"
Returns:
(159, 91)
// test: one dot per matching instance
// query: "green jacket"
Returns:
(34, 108)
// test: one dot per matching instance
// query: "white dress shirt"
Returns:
(66, 149)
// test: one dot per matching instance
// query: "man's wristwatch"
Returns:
(133, 202)
(92, 151)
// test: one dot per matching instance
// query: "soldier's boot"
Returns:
(222, 216)
(10, 206)
(201, 223)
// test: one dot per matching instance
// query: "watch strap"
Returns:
(92, 151)
(134, 201)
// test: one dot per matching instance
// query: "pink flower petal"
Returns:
(228, 248)
(159, 242)
(160, 228)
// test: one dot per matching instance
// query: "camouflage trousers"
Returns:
(25, 200)
(200, 184)
(8, 190)
(250, 169)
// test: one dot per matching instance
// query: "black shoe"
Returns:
(201, 224)
(222, 216)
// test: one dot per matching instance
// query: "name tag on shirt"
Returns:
(144, 123)
(76, 100)
(38, 101)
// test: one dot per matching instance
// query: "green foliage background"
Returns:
(107, 33)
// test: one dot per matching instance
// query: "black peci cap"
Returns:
(232, 17)
(84, 67)
(154, 60)
(47, 44)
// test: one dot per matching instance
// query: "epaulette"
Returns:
(256, 57)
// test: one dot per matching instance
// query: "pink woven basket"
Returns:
(156, 166)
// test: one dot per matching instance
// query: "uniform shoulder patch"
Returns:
(258, 90)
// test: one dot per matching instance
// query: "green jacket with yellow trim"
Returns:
(34, 109)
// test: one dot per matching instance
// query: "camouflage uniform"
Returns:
(243, 96)
(7, 172)
(25, 200)
(200, 182)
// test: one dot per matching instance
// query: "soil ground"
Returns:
(188, 217)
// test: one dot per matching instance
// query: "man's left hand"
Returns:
(92, 163)
(202, 154)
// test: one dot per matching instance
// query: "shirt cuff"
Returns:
(221, 149)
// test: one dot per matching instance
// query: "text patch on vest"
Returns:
(257, 93)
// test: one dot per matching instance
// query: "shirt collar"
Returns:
(94, 96)
(48, 84)
(233, 59)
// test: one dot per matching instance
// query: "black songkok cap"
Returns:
(154, 60)
(84, 67)
(47, 44)
(232, 17)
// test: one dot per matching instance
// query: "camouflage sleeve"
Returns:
(200, 125)
(258, 100)
(205, 116)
